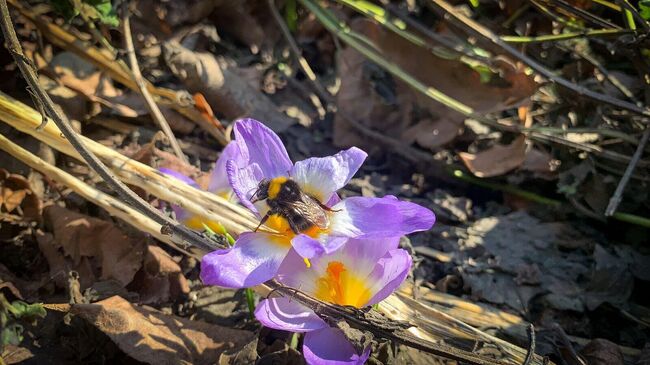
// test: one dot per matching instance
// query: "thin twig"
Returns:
(450, 13)
(13, 46)
(530, 354)
(155, 112)
(323, 94)
(567, 344)
(582, 14)
(618, 194)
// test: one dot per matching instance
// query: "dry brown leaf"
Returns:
(82, 237)
(160, 278)
(496, 160)
(541, 163)
(372, 97)
(16, 355)
(602, 352)
(12, 198)
(155, 338)
(16, 191)
(432, 134)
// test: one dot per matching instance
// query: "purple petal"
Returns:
(182, 215)
(289, 315)
(334, 199)
(363, 254)
(294, 272)
(218, 178)
(307, 247)
(389, 273)
(179, 176)
(244, 181)
(254, 259)
(261, 145)
(359, 256)
(329, 346)
(322, 176)
(362, 217)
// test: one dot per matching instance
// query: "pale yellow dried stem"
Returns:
(112, 205)
(209, 206)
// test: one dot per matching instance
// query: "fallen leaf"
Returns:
(496, 160)
(11, 288)
(160, 278)
(528, 257)
(541, 164)
(82, 237)
(602, 352)
(155, 338)
(611, 280)
(16, 191)
(375, 98)
(12, 198)
(433, 134)
(16, 355)
(76, 73)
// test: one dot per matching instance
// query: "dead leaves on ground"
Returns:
(379, 100)
(155, 338)
(497, 160)
(17, 199)
(107, 260)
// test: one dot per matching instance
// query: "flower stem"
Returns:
(250, 301)
(294, 341)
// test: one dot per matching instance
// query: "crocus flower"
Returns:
(256, 256)
(359, 274)
(218, 184)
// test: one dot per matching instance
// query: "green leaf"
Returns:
(28, 312)
(644, 7)
(105, 11)
(101, 10)
(12, 334)
(291, 15)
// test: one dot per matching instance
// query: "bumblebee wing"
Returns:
(309, 209)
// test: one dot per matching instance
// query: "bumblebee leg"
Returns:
(264, 219)
(325, 207)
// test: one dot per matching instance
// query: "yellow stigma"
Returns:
(342, 287)
(275, 185)
(307, 262)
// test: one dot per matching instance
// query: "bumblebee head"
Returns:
(262, 191)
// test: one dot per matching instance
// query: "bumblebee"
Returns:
(285, 198)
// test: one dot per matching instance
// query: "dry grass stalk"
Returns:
(235, 218)
(112, 205)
